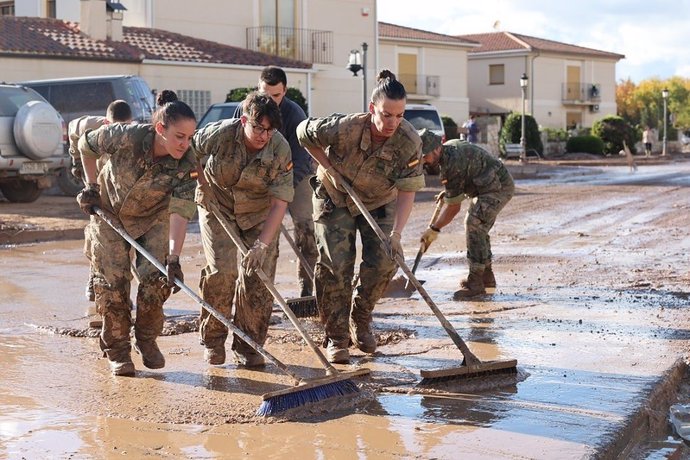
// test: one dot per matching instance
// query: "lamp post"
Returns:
(664, 96)
(523, 142)
(356, 63)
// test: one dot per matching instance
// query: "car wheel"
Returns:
(68, 184)
(21, 191)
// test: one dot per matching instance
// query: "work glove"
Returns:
(174, 270)
(335, 178)
(428, 237)
(89, 197)
(395, 246)
(254, 258)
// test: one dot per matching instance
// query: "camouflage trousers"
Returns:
(113, 276)
(301, 212)
(223, 280)
(480, 218)
(336, 233)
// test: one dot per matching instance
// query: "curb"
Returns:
(36, 236)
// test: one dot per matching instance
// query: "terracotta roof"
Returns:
(387, 30)
(54, 38)
(508, 41)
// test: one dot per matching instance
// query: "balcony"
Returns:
(421, 85)
(581, 93)
(306, 45)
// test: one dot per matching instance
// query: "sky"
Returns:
(654, 36)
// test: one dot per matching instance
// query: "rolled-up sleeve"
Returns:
(182, 199)
(411, 175)
(318, 132)
(282, 187)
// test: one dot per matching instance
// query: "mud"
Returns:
(593, 280)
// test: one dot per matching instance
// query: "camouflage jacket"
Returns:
(244, 183)
(468, 170)
(141, 191)
(375, 175)
(76, 129)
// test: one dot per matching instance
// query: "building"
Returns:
(568, 86)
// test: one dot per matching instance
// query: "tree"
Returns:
(511, 133)
(238, 94)
(613, 131)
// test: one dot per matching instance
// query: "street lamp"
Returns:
(356, 63)
(664, 96)
(523, 142)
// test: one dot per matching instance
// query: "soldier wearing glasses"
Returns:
(249, 169)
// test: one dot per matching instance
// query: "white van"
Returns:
(425, 116)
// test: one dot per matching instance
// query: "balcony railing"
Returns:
(426, 85)
(306, 45)
(581, 92)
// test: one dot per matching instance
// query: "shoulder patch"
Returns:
(194, 174)
(413, 163)
(444, 181)
(289, 166)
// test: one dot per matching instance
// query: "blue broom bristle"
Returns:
(281, 403)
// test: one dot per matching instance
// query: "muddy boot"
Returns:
(215, 355)
(150, 354)
(337, 352)
(472, 286)
(121, 363)
(361, 335)
(488, 277)
(89, 292)
(249, 359)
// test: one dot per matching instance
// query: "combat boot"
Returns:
(470, 287)
(121, 364)
(215, 355)
(249, 359)
(361, 335)
(150, 354)
(89, 293)
(488, 277)
(337, 352)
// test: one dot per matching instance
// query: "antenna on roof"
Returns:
(497, 25)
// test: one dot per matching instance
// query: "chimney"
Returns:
(114, 25)
(93, 19)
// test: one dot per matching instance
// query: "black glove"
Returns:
(172, 264)
(89, 197)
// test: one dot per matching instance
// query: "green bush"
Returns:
(511, 132)
(238, 95)
(613, 130)
(585, 144)
(555, 134)
(450, 127)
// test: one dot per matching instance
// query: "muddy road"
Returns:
(592, 300)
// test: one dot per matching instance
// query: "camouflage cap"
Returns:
(430, 140)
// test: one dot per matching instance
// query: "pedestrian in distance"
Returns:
(469, 172)
(378, 153)
(273, 82)
(647, 138)
(148, 184)
(117, 112)
(250, 181)
(472, 130)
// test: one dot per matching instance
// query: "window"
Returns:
(50, 9)
(82, 98)
(278, 28)
(197, 100)
(496, 74)
(6, 8)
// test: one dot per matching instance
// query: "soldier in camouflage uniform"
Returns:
(148, 184)
(118, 112)
(379, 154)
(468, 171)
(249, 174)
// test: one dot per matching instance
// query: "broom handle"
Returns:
(330, 370)
(298, 253)
(117, 226)
(422, 247)
(470, 358)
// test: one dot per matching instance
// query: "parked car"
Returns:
(426, 116)
(219, 111)
(76, 97)
(32, 143)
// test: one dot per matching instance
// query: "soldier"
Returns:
(149, 185)
(273, 82)
(468, 171)
(117, 112)
(379, 154)
(249, 174)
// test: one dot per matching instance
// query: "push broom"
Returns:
(302, 307)
(471, 365)
(305, 391)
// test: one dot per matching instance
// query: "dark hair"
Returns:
(273, 75)
(119, 111)
(170, 109)
(388, 86)
(258, 105)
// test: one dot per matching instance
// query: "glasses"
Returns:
(259, 130)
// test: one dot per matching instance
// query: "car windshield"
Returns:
(421, 119)
(11, 99)
(216, 113)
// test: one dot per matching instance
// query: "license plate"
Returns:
(33, 167)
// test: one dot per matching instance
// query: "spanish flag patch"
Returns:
(444, 181)
(412, 164)
(289, 166)
(194, 174)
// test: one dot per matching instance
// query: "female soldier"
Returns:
(249, 170)
(149, 185)
(379, 154)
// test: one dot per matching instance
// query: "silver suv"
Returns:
(32, 143)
